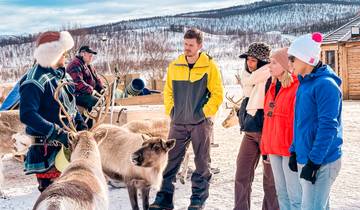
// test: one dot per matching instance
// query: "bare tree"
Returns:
(157, 55)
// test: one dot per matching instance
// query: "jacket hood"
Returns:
(321, 71)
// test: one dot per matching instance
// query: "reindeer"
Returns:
(12, 139)
(82, 185)
(231, 120)
(159, 128)
(4, 90)
(150, 127)
(134, 158)
(12, 132)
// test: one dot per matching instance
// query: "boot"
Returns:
(163, 201)
(43, 183)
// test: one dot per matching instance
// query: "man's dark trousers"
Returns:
(199, 135)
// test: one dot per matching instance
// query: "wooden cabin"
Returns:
(341, 50)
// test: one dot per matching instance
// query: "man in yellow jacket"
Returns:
(192, 95)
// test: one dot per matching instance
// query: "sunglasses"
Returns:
(291, 58)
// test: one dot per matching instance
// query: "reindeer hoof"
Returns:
(214, 145)
(4, 196)
(116, 184)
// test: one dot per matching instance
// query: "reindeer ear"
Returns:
(7, 124)
(100, 135)
(145, 137)
(170, 144)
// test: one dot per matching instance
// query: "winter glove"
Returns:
(309, 171)
(81, 126)
(60, 135)
(293, 162)
(266, 159)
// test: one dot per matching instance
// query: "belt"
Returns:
(42, 141)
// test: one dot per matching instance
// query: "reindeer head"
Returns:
(153, 152)
(7, 143)
(86, 137)
(22, 143)
(231, 119)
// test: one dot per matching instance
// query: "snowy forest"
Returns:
(147, 45)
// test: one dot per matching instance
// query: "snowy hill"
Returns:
(228, 32)
(281, 15)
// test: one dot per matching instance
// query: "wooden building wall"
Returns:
(353, 69)
(347, 66)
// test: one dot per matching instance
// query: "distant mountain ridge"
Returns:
(253, 7)
(285, 16)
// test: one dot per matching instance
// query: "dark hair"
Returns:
(259, 64)
(194, 33)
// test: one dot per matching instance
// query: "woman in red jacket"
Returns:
(277, 133)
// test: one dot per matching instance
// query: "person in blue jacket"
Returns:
(316, 148)
(40, 112)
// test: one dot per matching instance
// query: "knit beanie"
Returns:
(281, 56)
(307, 48)
(50, 46)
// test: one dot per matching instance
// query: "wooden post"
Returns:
(344, 71)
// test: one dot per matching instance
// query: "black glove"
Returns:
(60, 135)
(264, 157)
(81, 126)
(293, 162)
(309, 171)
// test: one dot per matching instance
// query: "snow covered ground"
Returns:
(345, 193)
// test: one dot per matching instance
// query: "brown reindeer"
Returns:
(137, 160)
(12, 133)
(160, 128)
(4, 90)
(82, 185)
(151, 127)
(232, 119)
(12, 139)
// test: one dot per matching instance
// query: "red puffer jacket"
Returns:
(277, 133)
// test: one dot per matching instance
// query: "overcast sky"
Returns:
(29, 16)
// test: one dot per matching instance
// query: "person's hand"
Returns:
(293, 162)
(309, 171)
(265, 159)
(102, 91)
(96, 94)
(60, 135)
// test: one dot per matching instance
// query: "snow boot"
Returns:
(196, 207)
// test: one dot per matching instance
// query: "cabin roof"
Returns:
(343, 34)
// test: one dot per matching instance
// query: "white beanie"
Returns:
(50, 46)
(307, 48)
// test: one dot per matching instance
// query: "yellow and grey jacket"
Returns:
(190, 96)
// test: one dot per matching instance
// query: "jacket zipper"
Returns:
(189, 74)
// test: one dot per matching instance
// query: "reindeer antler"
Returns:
(227, 106)
(63, 110)
(231, 99)
(99, 117)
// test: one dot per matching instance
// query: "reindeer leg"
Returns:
(145, 190)
(183, 173)
(145, 197)
(2, 194)
(133, 196)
